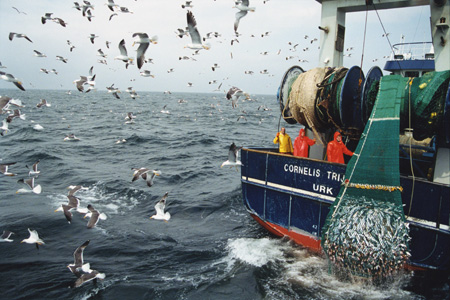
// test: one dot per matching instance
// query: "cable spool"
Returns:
(350, 99)
(369, 91)
(284, 91)
(302, 102)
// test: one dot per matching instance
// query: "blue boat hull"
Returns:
(291, 196)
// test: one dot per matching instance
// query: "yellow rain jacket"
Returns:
(285, 143)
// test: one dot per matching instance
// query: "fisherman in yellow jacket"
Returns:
(285, 142)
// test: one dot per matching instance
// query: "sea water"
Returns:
(210, 249)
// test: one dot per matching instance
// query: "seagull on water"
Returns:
(5, 236)
(159, 207)
(234, 93)
(71, 137)
(144, 41)
(11, 78)
(244, 8)
(195, 35)
(4, 169)
(4, 127)
(232, 157)
(33, 239)
(94, 216)
(31, 187)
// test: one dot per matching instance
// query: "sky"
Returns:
(286, 23)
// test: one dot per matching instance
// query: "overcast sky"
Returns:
(286, 21)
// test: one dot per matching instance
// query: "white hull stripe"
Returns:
(320, 196)
(290, 189)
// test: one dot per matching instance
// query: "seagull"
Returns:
(215, 66)
(2, 66)
(243, 10)
(71, 137)
(146, 73)
(75, 188)
(5, 236)
(111, 5)
(4, 169)
(88, 276)
(182, 32)
(33, 239)
(195, 35)
(100, 53)
(159, 207)
(124, 9)
(233, 94)
(34, 170)
(92, 37)
(4, 127)
(144, 41)
(47, 16)
(18, 11)
(164, 110)
(130, 118)
(78, 261)
(16, 114)
(39, 54)
(32, 188)
(64, 60)
(232, 157)
(11, 78)
(73, 203)
(142, 172)
(94, 216)
(123, 54)
(43, 103)
(187, 4)
(18, 35)
(59, 21)
(80, 82)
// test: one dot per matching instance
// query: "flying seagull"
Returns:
(11, 78)
(34, 170)
(233, 94)
(83, 271)
(144, 41)
(244, 8)
(159, 207)
(31, 187)
(33, 239)
(232, 157)
(195, 35)
(4, 169)
(94, 216)
(18, 35)
(78, 261)
(5, 236)
(123, 54)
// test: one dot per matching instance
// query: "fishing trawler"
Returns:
(293, 196)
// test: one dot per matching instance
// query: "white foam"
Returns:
(256, 252)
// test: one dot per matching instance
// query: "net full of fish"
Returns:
(367, 238)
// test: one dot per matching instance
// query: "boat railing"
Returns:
(412, 51)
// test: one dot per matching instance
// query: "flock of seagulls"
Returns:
(81, 270)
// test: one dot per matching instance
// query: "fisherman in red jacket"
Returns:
(302, 143)
(336, 149)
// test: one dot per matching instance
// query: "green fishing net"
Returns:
(365, 233)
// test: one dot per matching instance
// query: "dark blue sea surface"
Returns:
(210, 248)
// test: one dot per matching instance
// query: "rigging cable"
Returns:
(386, 35)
